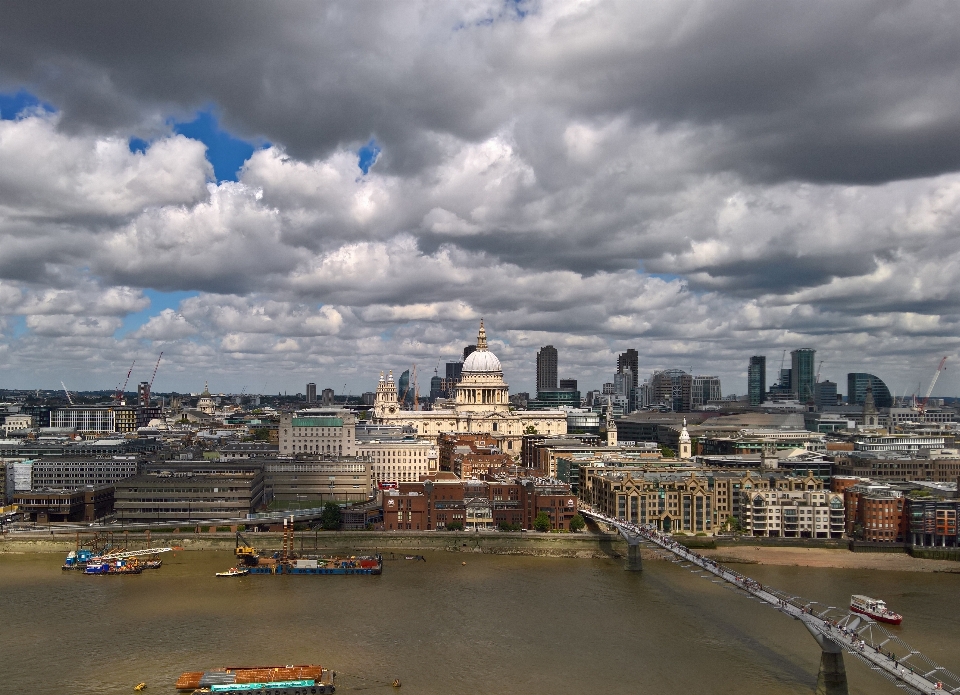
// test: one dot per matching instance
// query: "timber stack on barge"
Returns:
(286, 561)
(269, 680)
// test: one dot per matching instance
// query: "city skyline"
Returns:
(594, 176)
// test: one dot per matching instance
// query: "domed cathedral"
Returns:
(481, 388)
(481, 404)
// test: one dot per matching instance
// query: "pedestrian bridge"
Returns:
(836, 630)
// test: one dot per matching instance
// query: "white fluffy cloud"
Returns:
(698, 182)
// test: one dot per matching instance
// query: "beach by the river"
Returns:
(828, 557)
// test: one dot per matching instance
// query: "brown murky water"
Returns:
(499, 624)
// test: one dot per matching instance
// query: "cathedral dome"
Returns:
(482, 361)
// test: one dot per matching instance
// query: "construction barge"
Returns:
(286, 561)
(268, 680)
(99, 556)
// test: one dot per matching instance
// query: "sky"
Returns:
(272, 194)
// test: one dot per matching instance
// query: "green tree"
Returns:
(330, 519)
(667, 452)
(530, 430)
(455, 526)
(577, 523)
(542, 522)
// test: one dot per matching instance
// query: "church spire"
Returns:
(481, 338)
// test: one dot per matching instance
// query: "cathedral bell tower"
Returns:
(386, 400)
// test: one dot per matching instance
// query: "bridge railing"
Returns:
(887, 654)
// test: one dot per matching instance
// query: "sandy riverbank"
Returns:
(823, 557)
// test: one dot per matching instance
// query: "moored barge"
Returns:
(269, 680)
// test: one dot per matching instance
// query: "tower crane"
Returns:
(416, 390)
(933, 382)
(70, 400)
(118, 398)
(155, 371)
(818, 372)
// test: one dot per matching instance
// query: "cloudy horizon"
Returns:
(276, 194)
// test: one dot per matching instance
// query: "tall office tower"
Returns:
(704, 390)
(547, 369)
(467, 351)
(568, 384)
(803, 374)
(825, 393)
(436, 387)
(454, 371)
(757, 379)
(311, 392)
(629, 360)
(326, 397)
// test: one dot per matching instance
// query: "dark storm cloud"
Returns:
(854, 92)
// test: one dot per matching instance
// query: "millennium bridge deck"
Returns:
(835, 630)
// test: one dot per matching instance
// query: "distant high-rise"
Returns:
(143, 393)
(803, 373)
(454, 371)
(703, 390)
(672, 388)
(311, 392)
(467, 351)
(547, 369)
(857, 383)
(326, 397)
(568, 384)
(629, 360)
(436, 387)
(825, 393)
(757, 379)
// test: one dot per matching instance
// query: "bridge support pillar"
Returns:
(632, 563)
(832, 679)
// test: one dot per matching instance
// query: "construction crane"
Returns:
(933, 382)
(818, 372)
(69, 399)
(155, 371)
(118, 398)
(416, 389)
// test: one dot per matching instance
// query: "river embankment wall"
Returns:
(533, 544)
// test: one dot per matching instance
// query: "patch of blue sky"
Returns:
(225, 152)
(511, 10)
(367, 155)
(138, 145)
(666, 277)
(14, 104)
(158, 302)
(18, 326)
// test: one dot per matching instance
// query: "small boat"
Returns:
(234, 572)
(140, 686)
(874, 608)
(152, 564)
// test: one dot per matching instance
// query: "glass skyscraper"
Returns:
(803, 373)
(757, 379)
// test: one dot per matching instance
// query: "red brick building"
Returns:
(875, 513)
(440, 500)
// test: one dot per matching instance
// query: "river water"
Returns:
(499, 624)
